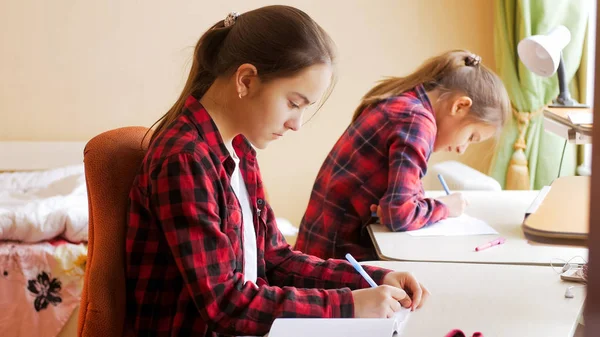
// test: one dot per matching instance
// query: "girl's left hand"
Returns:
(407, 282)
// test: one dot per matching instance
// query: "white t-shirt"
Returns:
(239, 187)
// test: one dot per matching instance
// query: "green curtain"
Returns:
(515, 20)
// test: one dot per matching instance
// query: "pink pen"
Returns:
(490, 244)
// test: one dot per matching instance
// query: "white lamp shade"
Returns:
(541, 53)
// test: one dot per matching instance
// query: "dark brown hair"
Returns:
(458, 71)
(278, 40)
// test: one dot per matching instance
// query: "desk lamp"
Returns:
(542, 55)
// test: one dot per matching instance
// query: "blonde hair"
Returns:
(457, 71)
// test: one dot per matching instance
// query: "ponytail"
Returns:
(201, 75)
(455, 71)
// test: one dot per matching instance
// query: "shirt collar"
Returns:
(210, 133)
(422, 96)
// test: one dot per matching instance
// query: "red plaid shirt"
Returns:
(380, 159)
(185, 251)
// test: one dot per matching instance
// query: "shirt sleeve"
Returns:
(286, 267)
(185, 202)
(404, 206)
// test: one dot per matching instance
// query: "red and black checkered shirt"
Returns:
(185, 251)
(380, 159)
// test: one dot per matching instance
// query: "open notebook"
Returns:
(462, 225)
(340, 327)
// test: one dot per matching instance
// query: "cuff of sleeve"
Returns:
(376, 273)
(442, 211)
(341, 303)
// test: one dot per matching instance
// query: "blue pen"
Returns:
(444, 184)
(360, 270)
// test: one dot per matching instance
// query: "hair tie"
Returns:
(472, 60)
(230, 18)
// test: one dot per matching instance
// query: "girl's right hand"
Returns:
(455, 202)
(380, 302)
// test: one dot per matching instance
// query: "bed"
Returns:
(43, 237)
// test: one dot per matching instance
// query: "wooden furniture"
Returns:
(592, 309)
(29, 156)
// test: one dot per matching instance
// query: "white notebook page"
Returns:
(462, 225)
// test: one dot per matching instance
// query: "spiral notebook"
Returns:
(340, 327)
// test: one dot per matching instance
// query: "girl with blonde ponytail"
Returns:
(449, 102)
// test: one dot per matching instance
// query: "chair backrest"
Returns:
(111, 160)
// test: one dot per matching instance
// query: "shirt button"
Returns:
(260, 201)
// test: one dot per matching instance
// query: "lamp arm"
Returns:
(564, 97)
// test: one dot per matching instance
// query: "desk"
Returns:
(503, 210)
(496, 300)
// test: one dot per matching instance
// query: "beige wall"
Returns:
(72, 69)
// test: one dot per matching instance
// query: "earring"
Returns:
(240, 95)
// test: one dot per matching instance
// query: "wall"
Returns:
(72, 69)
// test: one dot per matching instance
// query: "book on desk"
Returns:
(560, 215)
(341, 327)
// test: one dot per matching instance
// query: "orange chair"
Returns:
(112, 160)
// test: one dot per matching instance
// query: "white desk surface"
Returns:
(496, 300)
(503, 210)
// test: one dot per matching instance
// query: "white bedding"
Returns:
(42, 205)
